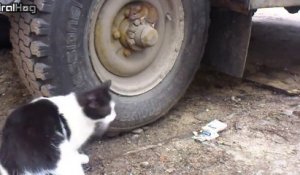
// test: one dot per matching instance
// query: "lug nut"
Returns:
(134, 27)
(127, 12)
(126, 52)
(149, 36)
(131, 34)
(116, 34)
(138, 8)
(131, 42)
(137, 22)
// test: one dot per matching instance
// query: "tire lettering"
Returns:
(72, 28)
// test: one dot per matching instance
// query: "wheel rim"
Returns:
(135, 43)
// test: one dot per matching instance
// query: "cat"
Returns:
(43, 137)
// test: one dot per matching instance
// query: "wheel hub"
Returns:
(134, 27)
(135, 43)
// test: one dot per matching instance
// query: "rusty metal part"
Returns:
(128, 43)
(255, 4)
(242, 6)
(116, 34)
(136, 31)
(141, 36)
(142, 10)
(148, 36)
(126, 52)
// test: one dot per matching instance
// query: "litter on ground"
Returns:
(210, 131)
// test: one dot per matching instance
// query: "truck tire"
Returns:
(4, 32)
(57, 51)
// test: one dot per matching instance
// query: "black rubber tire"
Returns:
(4, 32)
(50, 50)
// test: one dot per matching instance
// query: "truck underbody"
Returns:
(230, 32)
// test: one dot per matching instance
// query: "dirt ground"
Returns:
(263, 135)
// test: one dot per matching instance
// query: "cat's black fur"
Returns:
(95, 102)
(28, 138)
(33, 132)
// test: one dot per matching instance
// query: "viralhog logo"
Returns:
(18, 7)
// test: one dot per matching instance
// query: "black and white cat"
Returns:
(43, 137)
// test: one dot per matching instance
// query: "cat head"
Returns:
(97, 103)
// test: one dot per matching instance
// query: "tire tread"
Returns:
(30, 50)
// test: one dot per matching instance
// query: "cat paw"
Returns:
(84, 159)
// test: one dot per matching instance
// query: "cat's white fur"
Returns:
(71, 161)
(81, 127)
(3, 171)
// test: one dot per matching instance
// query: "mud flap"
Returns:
(228, 42)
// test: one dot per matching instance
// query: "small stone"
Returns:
(262, 105)
(207, 110)
(173, 117)
(146, 127)
(236, 99)
(138, 131)
(195, 133)
(170, 170)
(135, 137)
(128, 141)
(238, 126)
(145, 164)
(296, 113)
